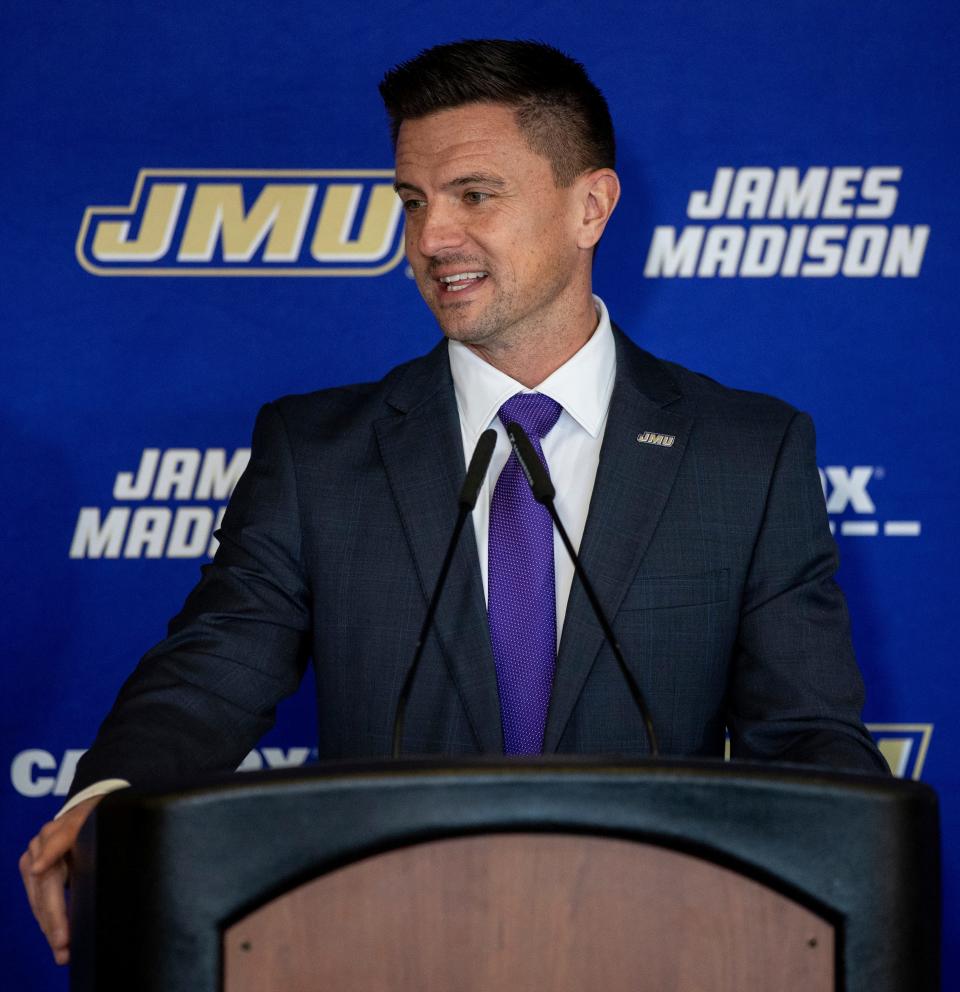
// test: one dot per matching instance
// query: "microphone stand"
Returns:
(479, 464)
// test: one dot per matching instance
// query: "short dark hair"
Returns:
(560, 112)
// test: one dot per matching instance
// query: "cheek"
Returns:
(552, 236)
(409, 241)
(550, 248)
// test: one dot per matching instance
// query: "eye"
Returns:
(476, 196)
(410, 205)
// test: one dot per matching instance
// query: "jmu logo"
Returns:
(247, 222)
(663, 440)
(904, 746)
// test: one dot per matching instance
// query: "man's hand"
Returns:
(45, 870)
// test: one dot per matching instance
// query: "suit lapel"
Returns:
(633, 483)
(422, 451)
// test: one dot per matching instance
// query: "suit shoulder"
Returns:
(749, 432)
(341, 410)
(699, 394)
(714, 399)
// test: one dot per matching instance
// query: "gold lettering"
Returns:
(331, 240)
(278, 216)
(112, 242)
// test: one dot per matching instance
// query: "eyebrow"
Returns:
(474, 178)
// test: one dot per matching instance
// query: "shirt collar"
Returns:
(582, 385)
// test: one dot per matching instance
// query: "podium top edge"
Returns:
(352, 774)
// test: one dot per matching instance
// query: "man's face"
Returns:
(491, 239)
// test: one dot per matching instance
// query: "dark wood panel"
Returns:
(530, 912)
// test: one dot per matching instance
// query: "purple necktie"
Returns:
(521, 600)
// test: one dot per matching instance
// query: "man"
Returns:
(697, 509)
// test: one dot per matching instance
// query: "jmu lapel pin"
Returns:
(663, 440)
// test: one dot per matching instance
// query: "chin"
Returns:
(457, 332)
(455, 325)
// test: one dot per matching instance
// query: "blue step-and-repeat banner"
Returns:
(196, 217)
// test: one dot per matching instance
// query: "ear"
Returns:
(599, 192)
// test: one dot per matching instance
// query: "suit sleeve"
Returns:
(202, 698)
(796, 691)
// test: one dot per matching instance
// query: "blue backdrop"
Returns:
(195, 219)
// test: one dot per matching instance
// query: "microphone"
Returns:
(467, 500)
(544, 493)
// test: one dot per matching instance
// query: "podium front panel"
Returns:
(161, 876)
(538, 912)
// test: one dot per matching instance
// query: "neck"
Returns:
(539, 351)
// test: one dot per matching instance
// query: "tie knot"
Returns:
(534, 412)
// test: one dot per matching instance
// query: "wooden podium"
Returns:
(480, 876)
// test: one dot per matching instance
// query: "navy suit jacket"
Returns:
(712, 556)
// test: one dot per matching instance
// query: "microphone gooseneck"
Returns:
(466, 501)
(544, 493)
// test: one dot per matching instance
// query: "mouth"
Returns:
(460, 282)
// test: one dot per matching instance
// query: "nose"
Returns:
(436, 228)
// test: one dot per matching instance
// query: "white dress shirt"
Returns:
(582, 386)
